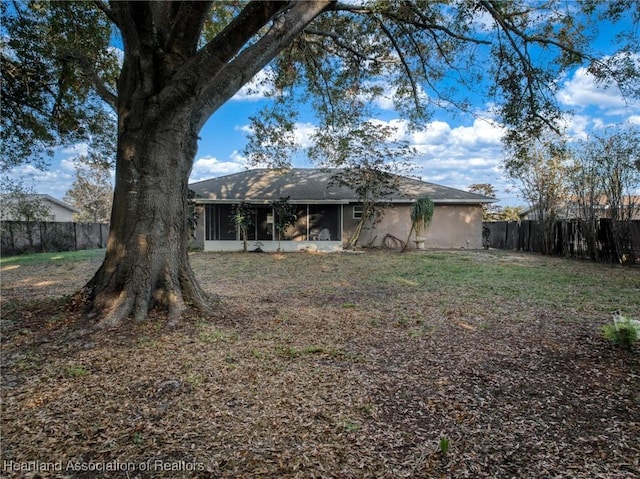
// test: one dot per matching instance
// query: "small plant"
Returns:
(350, 426)
(624, 332)
(314, 349)
(146, 342)
(194, 380)
(367, 409)
(421, 331)
(242, 217)
(287, 351)
(137, 438)
(284, 217)
(421, 215)
(27, 361)
(444, 445)
(209, 335)
(212, 336)
(75, 371)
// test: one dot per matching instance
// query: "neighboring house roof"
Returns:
(48, 200)
(315, 185)
(57, 202)
(572, 209)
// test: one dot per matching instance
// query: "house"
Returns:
(328, 213)
(56, 210)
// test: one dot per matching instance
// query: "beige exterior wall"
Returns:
(55, 211)
(58, 213)
(452, 227)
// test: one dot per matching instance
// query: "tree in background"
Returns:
(373, 183)
(370, 161)
(604, 181)
(283, 217)
(91, 191)
(587, 193)
(490, 212)
(243, 218)
(21, 203)
(510, 213)
(541, 170)
(181, 61)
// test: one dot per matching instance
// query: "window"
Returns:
(357, 212)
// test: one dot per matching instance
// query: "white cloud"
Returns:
(634, 120)
(68, 164)
(51, 182)
(258, 88)
(303, 134)
(437, 132)
(209, 167)
(459, 156)
(581, 91)
(119, 54)
(482, 133)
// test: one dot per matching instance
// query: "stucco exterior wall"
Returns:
(58, 213)
(452, 227)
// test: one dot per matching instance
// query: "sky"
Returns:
(455, 151)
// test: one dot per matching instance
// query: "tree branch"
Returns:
(427, 25)
(107, 11)
(338, 41)
(240, 30)
(89, 72)
(216, 89)
(190, 18)
(405, 65)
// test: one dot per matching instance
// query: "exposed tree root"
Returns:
(110, 306)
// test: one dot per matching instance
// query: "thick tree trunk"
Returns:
(146, 263)
(167, 89)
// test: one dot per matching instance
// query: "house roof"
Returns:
(41, 197)
(315, 185)
(57, 202)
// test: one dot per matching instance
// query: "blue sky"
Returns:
(455, 151)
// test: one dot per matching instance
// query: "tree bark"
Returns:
(146, 261)
(166, 91)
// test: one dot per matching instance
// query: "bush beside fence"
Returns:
(18, 237)
(569, 239)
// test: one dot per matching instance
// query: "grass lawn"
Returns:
(381, 365)
(47, 258)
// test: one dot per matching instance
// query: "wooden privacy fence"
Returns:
(19, 237)
(571, 238)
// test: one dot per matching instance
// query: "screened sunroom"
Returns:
(317, 226)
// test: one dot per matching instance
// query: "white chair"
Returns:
(324, 235)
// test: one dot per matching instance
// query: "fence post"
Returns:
(42, 236)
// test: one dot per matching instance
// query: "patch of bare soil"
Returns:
(318, 366)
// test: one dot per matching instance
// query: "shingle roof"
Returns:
(314, 185)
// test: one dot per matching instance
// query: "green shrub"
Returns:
(624, 332)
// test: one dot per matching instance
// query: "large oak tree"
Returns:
(182, 61)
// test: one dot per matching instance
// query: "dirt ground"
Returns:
(329, 366)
